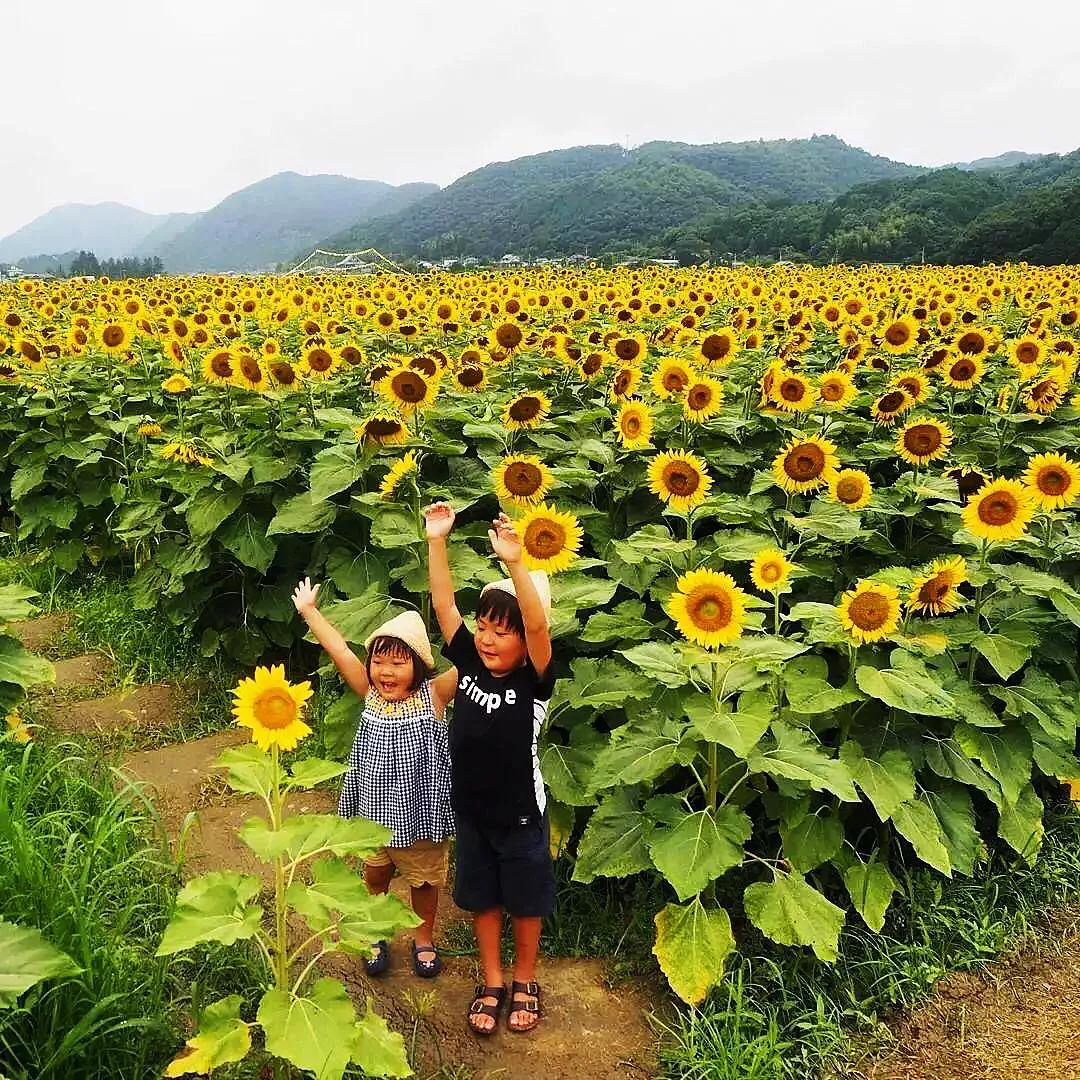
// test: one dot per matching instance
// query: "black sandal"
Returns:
(426, 969)
(515, 1006)
(376, 965)
(479, 1007)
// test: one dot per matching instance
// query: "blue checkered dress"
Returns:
(399, 769)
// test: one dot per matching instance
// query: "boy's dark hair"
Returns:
(502, 608)
(392, 646)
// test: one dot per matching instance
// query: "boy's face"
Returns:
(501, 648)
(392, 675)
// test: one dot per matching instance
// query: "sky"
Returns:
(170, 107)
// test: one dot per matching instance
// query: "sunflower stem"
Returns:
(978, 611)
(281, 947)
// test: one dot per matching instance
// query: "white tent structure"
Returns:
(368, 261)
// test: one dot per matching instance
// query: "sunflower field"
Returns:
(813, 532)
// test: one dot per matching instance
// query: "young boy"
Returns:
(505, 682)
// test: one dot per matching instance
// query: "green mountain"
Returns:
(270, 221)
(604, 197)
(998, 161)
(171, 226)
(110, 229)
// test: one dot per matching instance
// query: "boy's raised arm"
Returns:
(507, 545)
(438, 521)
(330, 638)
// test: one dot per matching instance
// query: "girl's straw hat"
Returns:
(409, 628)
(539, 580)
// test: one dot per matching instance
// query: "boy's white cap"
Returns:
(539, 580)
(409, 628)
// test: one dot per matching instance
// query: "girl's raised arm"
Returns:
(507, 545)
(438, 521)
(330, 638)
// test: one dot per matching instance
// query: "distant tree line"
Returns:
(87, 264)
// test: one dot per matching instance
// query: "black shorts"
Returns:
(507, 866)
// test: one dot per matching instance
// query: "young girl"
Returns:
(506, 678)
(399, 767)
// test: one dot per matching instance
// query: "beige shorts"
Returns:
(421, 863)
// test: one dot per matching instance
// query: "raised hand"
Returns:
(505, 541)
(304, 596)
(438, 520)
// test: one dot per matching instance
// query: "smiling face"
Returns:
(392, 669)
(501, 647)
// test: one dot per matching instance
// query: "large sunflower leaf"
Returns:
(811, 840)
(378, 1050)
(337, 888)
(15, 603)
(700, 848)
(302, 836)
(1020, 824)
(604, 684)
(335, 469)
(918, 824)
(214, 907)
(1005, 655)
(692, 943)
(739, 730)
(795, 755)
(250, 771)
(222, 1037)
(246, 537)
(951, 803)
(871, 888)
(615, 841)
(26, 958)
(659, 661)
(641, 750)
(790, 912)
(907, 690)
(1005, 753)
(886, 781)
(317, 1032)
(21, 667)
(210, 507)
(301, 514)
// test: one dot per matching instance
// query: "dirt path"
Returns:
(1017, 1020)
(588, 1030)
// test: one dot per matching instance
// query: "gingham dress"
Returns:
(399, 769)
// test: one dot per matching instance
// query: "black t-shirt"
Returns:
(494, 764)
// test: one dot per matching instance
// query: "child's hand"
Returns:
(438, 520)
(304, 596)
(504, 540)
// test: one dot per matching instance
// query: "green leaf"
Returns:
(246, 537)
(355, 574)
(1067, 604)
(378, 1050)
(604, 684)
(1041, 698)
(340, 723)
(692, 944)
(661, 662)
(566, 770)
(15, 603)
(887, 781)
(576, 591)
(615, 840)
(301, 514)
(649, 544)
(790, 912)
(380, 919)
(1006, 656)
(250, 770)
(796, 756)
(335, 469)
(640, 750)
(700, 848)
(336, 887)
(304, 835)
(356, 618)
(26, 959)
(626, 623)
(317, 1033)
(909, 691)
(312, 771)
(1020, 825)
(1005, 753)
(21, 667)
(25, 478)
(918, 824)
(871, 888)
(214, 907)
(811, 840)
(209, 508)
(951, 804)
(222, 1037)
(740, 731)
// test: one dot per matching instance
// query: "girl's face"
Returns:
(501, 648)
(392, 675)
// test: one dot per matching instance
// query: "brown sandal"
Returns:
(516, 1006)
(479, 1007)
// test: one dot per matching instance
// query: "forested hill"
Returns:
(606, 198)
(1029, 212)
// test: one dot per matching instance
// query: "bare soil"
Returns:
(141, 709)
(1017, 1020)
(38, 635)
(78, 677)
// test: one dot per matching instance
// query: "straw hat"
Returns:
(539, 580)
(409, 628)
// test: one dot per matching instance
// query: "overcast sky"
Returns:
(173, 106)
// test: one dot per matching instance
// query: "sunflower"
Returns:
(770, 570)
(407, 389)
(917, 386)
(999, 510)
(115, 337)
(176, 384)
(149, 431)
(508, 335)
(973, 343)
(382, 429)
(526, 411)
(935, 591)
(522, 479)
(184, 452)
(900, 336)
(629, 350)
(923, 441)
(549, 538)
(704, 398)
(851, 489)
(870, 611)
(968, 479)
(891, 405)
(680, 479)
(718, 348)
(1053, 481)
(271, 707)
(270, 347)
(624, 383)
(319, 362)
(18, 730)
(250, 374)
(472, 378)
(1044, 396)
(404, 466)
(284, 375)
(963, 372)
(219, 367)
(792, 392)
(1025, 353)
(29, 352)
(836, 390)
(708, 608)
(352, 355)
(635, 425)
(805, 464)
(671, 377)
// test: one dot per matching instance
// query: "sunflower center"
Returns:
(699, 397)
(770, 572)
(251, 370)
(675, 380)
(935, 590)
(319, 360)
(631, 425)
(833, 390)
(680, 479)
(274, 709)
(869, 611)
(221, 365)
(793, 390)
(891, 401)
(1027, 352)
(592, 364)
(1052, 481)
(113, 336)
(283, 373)
(709, 609)
(408, 387)
(544, 538)
(971, 343)
(525, 408)
(382, 429)
(898, 334)
(523, 478)
(508, 336)
(849, 489)
(627, 349)
(351, 355)
(716, 346)
(922, 440)
(471, 376)
(804, 462)
(622, 383)
(998, 509)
